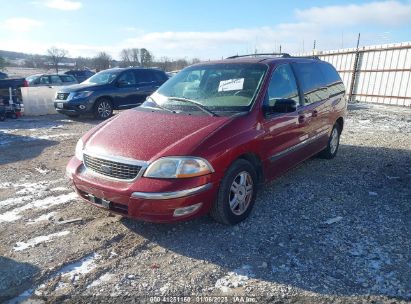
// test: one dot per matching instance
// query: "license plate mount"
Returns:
(99, 201)
(60, 105)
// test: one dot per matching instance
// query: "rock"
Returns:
(333, 220)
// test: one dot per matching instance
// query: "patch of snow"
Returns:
(60, 135)
(236, 278)
(73, 271)
(38, 240)
(59, 189)
(15, 200)
(104, 278)
(42, 171)
(44, 217)
(15, 214)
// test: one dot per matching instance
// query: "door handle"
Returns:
(315, 113)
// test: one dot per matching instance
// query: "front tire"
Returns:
(237, 194)
(103, 109)
(333, 144)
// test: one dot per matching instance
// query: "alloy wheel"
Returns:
(241, 193)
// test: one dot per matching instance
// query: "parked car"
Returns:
(119, 88)
(206, 139)
(80, 75)
(50, 80)
(3, 75)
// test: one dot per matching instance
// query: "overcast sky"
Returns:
(204, 29)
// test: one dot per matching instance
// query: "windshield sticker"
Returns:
(231, 85)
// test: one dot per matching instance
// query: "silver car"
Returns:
(50, 80)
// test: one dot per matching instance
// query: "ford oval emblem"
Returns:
(106, 169)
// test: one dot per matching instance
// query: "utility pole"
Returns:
(354, 70)
(315, 42)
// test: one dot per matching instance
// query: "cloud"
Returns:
(323, 24)
(20, 24)
(389, 13)
(65, 5)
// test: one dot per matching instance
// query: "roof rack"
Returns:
(307, 57)
(283, 55)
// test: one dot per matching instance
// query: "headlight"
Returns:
(178, 167)
(83, 94)
(79, 150)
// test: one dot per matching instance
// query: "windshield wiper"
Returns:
(195, 103)
(161, 107)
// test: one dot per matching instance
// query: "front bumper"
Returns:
(145, 199)
(76, 106)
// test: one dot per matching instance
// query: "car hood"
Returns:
(147, 135)
(79, 87)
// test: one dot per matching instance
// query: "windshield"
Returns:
(103, 77)
(218, 87)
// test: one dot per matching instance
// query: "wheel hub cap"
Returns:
(241, 193)
(334, 141)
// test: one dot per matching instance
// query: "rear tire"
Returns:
(103, 109)
(333, 144)
(237, 194)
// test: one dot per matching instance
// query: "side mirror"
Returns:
(273, 106)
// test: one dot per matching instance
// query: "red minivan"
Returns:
(209, 136)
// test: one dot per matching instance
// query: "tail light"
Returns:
(25, 83)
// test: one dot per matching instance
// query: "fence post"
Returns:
(355, 67)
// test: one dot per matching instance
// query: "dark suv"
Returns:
(80, 75)
(110, 89)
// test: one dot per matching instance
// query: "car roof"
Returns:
(131, 68)
(263, 58)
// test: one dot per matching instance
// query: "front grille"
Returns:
(110, 168)
(62, 96)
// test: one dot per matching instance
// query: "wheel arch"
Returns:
(255, 160)
(340, 123)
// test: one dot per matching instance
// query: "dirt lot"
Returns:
(334, 231)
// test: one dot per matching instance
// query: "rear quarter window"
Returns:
(67, 78)
(312, 81)
(334, 83)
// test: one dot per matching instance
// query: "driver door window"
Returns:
(283, 86)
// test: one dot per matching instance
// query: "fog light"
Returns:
(187, 210)
(82, 107)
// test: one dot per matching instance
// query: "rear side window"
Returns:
(283, 85)
(66, 78)
(144, 76)
(330, 74)
(55, 79)
(160, 76)
(128, 78)
(334, 83)
(312, 81)
(44, 80)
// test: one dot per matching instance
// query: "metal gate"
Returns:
(375, 74)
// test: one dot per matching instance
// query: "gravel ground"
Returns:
(326, 232)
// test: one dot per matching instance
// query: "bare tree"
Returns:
(102, 61)
(2, 63)
(135, 56)
(125, 57)
(146, 57)
(56, 56)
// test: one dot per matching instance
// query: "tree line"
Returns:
(139, 57)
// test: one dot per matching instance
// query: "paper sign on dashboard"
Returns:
(231, 85)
